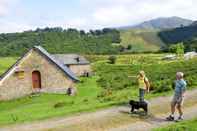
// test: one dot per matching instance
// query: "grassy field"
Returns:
(141, 40)
(91, 95)
(135, 59)
(190, 125)
(50, 105)
(6, 62)
(44, 106)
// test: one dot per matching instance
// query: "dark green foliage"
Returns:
(62, 104)
(114, 82)
(112, 59)
(187, 34)
(177, 48)
(58, 40)
(178, 34)
(129, 47)
(191, 45)
(161, 76)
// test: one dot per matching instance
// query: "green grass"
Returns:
(135, 59)
(90, 95)
(141, 40)
(190, 125)
(40, 107)
(6, 62)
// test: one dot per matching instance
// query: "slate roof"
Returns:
(71, 59)
(60, 65)
(65, 69)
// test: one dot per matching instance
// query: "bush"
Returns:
(162, 86)
(112, 59)
(62, 104)
(113, 81)
(160, 75)
(129, 47)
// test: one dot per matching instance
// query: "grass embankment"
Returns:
(45, 106)
(189, 125)
(91, 96)
(50, 105)
(6, 62)
(141, 40)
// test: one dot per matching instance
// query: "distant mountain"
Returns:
(194, 23)
(161, 23)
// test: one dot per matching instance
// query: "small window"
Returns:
(20, 74)
(68, 66)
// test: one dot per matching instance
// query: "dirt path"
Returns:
(112, 119)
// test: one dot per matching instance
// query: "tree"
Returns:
(112, 59)
(178, 49)
(82, 32)
(129, 47)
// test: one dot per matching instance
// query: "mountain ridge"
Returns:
(161, 23)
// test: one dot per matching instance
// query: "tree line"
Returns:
(187, 35)
(59, 40)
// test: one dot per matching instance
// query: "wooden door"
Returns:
(36, 79)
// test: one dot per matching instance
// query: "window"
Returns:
(68, 66)
(20, 74)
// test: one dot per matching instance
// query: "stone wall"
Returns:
(79, 70)
(52, 78)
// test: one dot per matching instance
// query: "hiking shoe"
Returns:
(180, 118)
(170, 118)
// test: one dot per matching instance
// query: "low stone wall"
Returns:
(79, 70)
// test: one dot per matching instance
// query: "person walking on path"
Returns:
(143, 84)
(178, 98)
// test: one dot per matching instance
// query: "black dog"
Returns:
(137, 105)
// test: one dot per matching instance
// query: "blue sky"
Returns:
(20, 15)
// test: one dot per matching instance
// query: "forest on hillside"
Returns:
(58, 40)
(187, 35)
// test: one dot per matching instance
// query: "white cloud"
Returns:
(5, 5)
(115, 15)
(76, 23)
(102, 13)
(7, 27)
(128, 12)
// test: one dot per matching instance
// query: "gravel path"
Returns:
(112, 119)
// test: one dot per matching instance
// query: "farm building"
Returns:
(190, 55)
(36, 71)
(78, 64)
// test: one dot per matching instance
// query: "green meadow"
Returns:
(110, 86)
(141, 40)
(189, 125)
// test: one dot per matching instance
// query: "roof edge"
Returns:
(65, 69)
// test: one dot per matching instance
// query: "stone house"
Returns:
(36, 71)
(78, 64)
(190, 55)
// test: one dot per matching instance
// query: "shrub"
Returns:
(112, 59)
(62, 104)
(161, 76)
(129, 47)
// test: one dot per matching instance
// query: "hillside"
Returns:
(141, 40)
(105, 41)
(161, 23)
(187, 34)
(58, 40)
